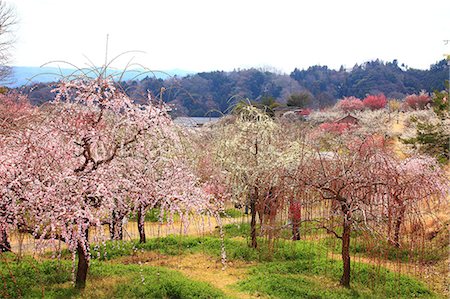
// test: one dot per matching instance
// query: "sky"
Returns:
(209, 35)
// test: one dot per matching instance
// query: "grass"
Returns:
(231, 213)
(318, 278)
(51, 279)
(294, 270)
(435, 251)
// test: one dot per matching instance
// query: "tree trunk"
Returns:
(115, 228)
(295, 213)
(254, 243)
(112, 226)
(119, 229)
(295, 230)
(398, 225)
(5, 246)
(271, 233)
(345, 279)
(83, 263)
(141, 225)
(253, 200)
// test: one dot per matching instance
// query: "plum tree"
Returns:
(247, 153)
(349, 104)
(375, 102)
(63, 162)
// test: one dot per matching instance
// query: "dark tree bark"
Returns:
(5, 246)
(112, 226)
(83, 263)
(295, 230)
(398, 225)
(119, 229)
(253, 200)
(115, 228)
(347, 227)
(295, 214)
(254, 243)
(141, 225)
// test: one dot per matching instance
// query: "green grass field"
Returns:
(295, 270)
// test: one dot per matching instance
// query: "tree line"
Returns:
(213, 93)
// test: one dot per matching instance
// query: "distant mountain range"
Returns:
(203, 93)
(23, 75)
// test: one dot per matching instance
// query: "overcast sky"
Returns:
(224, 35)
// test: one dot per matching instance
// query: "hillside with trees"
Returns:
(214, 92)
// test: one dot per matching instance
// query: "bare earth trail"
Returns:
(200, 267)
(397, 129)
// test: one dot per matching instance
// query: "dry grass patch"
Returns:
(102, 287)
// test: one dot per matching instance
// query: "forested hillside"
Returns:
(199, 94)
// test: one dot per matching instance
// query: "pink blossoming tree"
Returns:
(350, 104)
(63, 163)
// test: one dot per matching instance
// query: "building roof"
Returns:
(193, 122)
(348, 119)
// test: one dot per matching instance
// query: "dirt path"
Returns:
(198, 267)
(397, 129)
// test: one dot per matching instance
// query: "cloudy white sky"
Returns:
(208, 35)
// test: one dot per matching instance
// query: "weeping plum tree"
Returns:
(348, 178)
(359, 178)
(246, 150)
(173, 189)
(64, 162)
(139, 168)
(157, 174)
(15, 114)
(412, 181)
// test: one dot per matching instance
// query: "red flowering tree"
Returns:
(375, 102)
